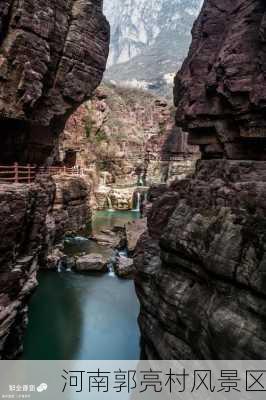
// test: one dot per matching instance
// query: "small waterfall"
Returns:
(123, 253)
(137, 202)
(68, 268)
(109, 202)
(111, 270)
(59, 266)
(140, 181)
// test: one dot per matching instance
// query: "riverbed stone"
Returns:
(115, 240)
(90, 263)
(54, 259)
(124, 268)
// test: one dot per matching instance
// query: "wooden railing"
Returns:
(17, 174)
(27, 174)
(59, 171)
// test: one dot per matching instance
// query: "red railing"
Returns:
(27, 174)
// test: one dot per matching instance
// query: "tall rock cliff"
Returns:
(201, 265)
(52, 57)
(139, 24)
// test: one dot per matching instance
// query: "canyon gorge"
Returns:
(118, 192)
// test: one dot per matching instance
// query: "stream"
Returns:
(84, 316)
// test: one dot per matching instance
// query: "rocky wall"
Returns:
(201, 265)
(34, 218)
(52, 57)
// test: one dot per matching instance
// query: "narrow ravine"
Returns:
(84, 316)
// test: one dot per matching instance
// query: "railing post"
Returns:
(64, 170)
(29, 174)
(16, 172)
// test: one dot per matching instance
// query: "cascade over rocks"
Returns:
(201, 264)
(52, 56)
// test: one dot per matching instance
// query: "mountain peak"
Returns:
(149, 39)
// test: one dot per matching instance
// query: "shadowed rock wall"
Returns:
(34, 217)
(201, 265)
(220, 92)
(52, 56)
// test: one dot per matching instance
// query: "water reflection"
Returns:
(74, 316)
(55, 318)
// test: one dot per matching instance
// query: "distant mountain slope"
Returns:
(149, 41)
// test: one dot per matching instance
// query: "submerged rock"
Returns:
(90, 263)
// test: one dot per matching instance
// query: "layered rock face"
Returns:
(34, 217)
(220, 90)
(109, 132)
(201, 265)
(168, 156)
(122, 135)
(52, 57)
(23, 215)
(71, 211)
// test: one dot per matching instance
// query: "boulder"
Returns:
(115, 240)
(91, 262)
(124, 268)
(54, 258)
(134, 230)
(121, 199)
